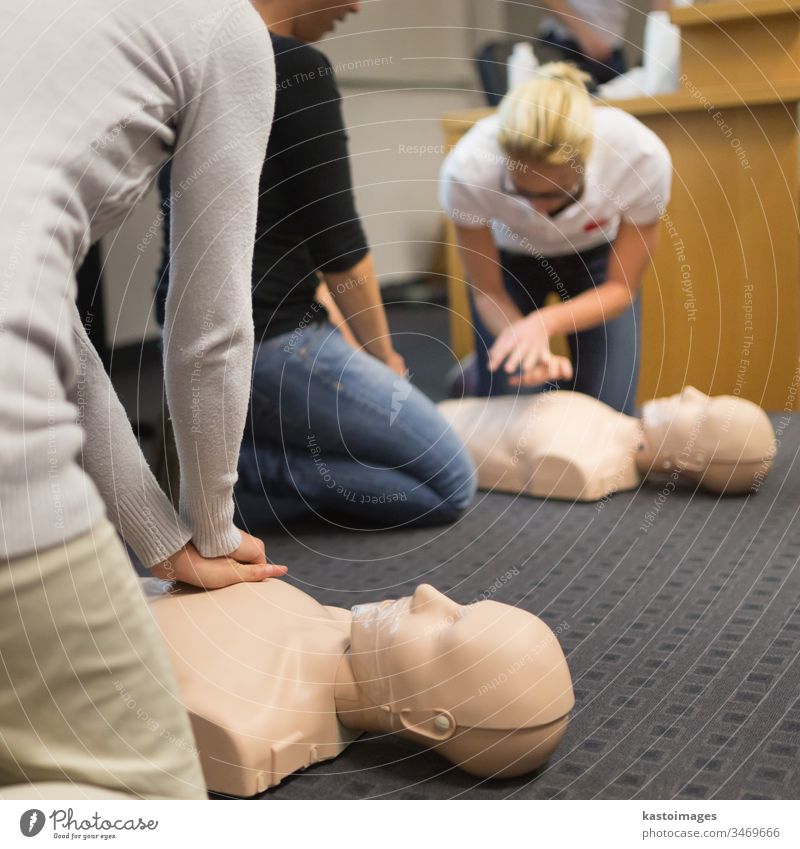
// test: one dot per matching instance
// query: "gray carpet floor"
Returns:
(683, 636)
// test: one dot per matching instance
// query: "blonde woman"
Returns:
(555, 194)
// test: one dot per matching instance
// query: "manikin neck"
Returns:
(353, 708)
(651, 457)
(646, 455)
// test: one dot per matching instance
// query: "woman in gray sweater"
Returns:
(94, 97)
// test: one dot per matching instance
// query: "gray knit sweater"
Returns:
(94, 94)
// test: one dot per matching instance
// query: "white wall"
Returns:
(396, 152)
(401, 65)
(413, 42)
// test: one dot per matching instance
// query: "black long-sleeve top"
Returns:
(307, 220)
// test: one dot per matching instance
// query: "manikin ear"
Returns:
(696, 463)
(435, 724)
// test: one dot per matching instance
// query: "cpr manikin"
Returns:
(563, 444)
(274, 681)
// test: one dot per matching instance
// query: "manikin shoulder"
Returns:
(256, 667)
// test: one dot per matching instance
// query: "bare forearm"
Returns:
(335, 317)
(497, 310)
(590, 309)
(629, 258)
(481, 261)
(357, 296)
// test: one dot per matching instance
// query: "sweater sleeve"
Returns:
(135, 503)
(208, 331)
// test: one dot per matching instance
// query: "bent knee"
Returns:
(462, 486)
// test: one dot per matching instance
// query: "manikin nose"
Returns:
(689, 393)
(427, 599)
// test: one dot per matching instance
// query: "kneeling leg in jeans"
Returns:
(335, 432)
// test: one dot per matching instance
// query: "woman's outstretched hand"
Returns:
(523, 350)
(554, 369)
(247, 563)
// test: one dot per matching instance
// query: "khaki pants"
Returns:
(86, 691)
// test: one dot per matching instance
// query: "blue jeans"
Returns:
(605, 358)
(335, 432)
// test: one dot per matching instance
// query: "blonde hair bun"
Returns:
(547, 120)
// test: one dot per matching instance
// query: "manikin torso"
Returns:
(551, 445)
(277, 680)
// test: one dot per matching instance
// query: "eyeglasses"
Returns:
(571, 194)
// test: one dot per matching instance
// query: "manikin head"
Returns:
(486, 683)
(306, 20)
(724, 443)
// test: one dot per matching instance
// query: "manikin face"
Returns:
(316, 18)
(408, 623)
(490, 665)
(692, 431)
(405, 635)
(674, 426)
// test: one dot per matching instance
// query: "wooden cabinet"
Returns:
(721, 304)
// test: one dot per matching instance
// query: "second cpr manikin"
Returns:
(566, 445)
(275, 682)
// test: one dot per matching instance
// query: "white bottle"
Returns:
(662, 54)
(522, 64)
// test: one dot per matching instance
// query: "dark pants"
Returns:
(492, 63)
(605, 358)
(600, 72)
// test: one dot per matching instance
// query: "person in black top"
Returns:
(335, 427)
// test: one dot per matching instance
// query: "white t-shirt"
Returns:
(628, 176)
(608, 17)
